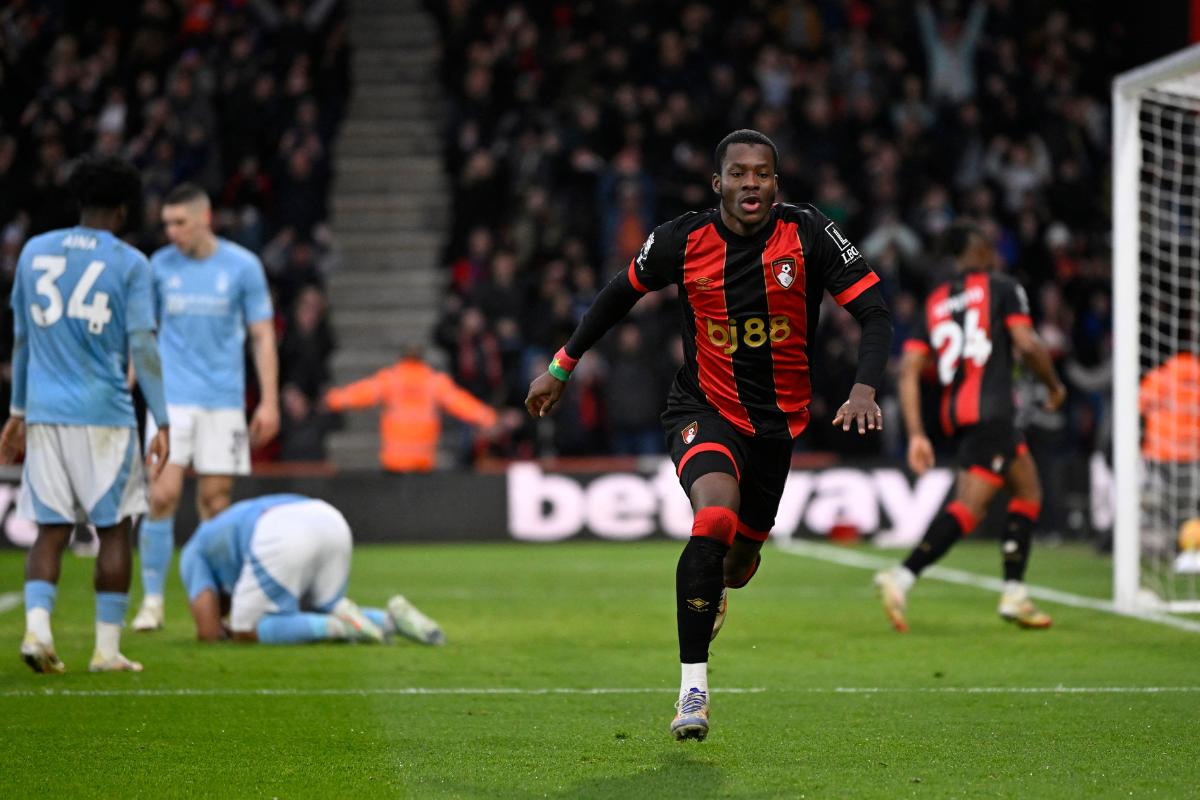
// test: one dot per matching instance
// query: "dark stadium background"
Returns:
(569, 131)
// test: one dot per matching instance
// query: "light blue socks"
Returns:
(111, 607)
(40, 594)
(156, 541)
(294, 628)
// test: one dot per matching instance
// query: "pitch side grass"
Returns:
(560, 674)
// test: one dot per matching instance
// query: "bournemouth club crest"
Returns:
(784, 270)
(689, 433)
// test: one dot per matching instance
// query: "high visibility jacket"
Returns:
(1170, 401)
(412, 395)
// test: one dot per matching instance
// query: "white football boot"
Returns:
(360, 624)
(150, 614)
(411, 623)
(40, 656)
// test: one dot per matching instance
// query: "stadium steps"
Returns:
(390, 206)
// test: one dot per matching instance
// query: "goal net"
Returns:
(1156, 365)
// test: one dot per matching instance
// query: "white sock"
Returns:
(108, 639)
(694, 676)
(904, 578)
(1014, 589)
(37, 622)
(153, 600)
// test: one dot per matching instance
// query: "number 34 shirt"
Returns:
(965, 327)
(77, 295)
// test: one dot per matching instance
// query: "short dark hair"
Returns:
(744, 136)
(184, 193)
(957, 237)
(106, 182)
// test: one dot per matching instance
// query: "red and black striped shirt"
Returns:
(749, 309)
(964, 327)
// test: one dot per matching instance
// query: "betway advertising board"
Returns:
(529, 502)
(882, 502)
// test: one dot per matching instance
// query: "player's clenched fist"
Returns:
(544, 394)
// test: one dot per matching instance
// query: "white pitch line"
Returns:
(9, 601)
(371, 692)
(494, 691)
(854, 558)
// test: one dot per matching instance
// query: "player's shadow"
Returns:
(680, 774)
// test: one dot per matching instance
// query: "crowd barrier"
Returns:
(607, 499)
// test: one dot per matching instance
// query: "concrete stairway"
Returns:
(390, 205)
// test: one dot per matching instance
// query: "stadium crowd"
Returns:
(574, 128)
(244, 99)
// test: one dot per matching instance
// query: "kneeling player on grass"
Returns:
(282, 562)
(751, 276)
(972, 325)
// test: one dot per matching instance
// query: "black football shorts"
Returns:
(987, 450)
(700, 441)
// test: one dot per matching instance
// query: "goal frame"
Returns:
(1126, 212)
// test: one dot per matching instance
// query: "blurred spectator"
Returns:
(225, 95)
(572, 127)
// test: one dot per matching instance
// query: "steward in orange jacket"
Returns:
(1170, 401)
(412, 395)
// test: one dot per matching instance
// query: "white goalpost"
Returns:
(1156, 317)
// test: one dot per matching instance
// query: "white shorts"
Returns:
(299, 559)
(81, 473)
(213, 440)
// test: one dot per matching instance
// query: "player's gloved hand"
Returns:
(544, 394)
(12, 440)
(1056, 397)
(920, 454)
(861, 408)
(160, 451)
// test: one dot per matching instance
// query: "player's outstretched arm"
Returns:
(1033, 354)
(610, 306)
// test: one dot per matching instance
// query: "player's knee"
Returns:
(211, 505)
(212, 500)
(1031, 495)
(716, 489)
(163, 500)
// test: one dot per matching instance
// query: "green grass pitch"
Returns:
(342, 721)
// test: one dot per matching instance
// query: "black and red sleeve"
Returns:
(854, 285)
(918, 336)
(657, 265)
(1013, 302)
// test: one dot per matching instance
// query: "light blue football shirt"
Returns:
(77, 295)
(203, 309)
(213, 558)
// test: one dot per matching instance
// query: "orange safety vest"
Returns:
(1170, 401)
(412, 395)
